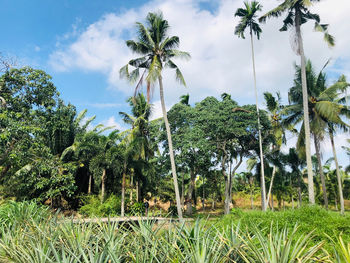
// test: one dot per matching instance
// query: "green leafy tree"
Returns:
(298, 13)
(232, 131)
(193, 150)
(158, 51)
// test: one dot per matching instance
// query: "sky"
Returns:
(81, 44)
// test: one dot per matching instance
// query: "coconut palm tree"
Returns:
(275, 108)
(157, 50)
(324, 109)
(185, 99)
(248, 21)
(332, 127)
(298, 13)
(137, 144)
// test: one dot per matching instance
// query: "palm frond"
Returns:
(276, 12)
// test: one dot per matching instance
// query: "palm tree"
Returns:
(107, 154)
(275, 108)
(297, 15)
(185, 99)
(137, 144)
(324, 109)
(248, 20)
(295, 163)
(157, 51)
(332, 127)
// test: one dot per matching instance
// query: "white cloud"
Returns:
(104, 105)
(111, 122)
(220, 61)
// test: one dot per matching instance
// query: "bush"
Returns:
(137, 208)
(93, 207)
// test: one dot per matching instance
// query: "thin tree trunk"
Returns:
(262, 179)
(171, 151)
(340, 187)
(90, 183)
(123, 191)
(190, 193)
(299, 190)
(103, 185)
(228, 196)
(311, 190)
(251, 182)
(272, 205)
(137, 191)
(183, 191)
(213, 202)
(232, 173)
(336, 203)
(320, 168)
(271, 183)
(203, 198)
(131, 188)
(227, 185)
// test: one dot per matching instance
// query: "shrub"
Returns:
(137, 208)
(93, 206)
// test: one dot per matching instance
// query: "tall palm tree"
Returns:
(341, 85)
(137, 144)
(298, 14)
(157, 51)
(324, 109)
(248, 20)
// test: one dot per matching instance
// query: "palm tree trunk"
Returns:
(262, 179)
(340, 187)
(137, 191)
(90, 183)
(320, 168)
(306, 109)
(131, 188)
(103, 185)
(171, 151)
(271, 183)
(122, 212)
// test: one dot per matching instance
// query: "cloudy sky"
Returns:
(81, 44)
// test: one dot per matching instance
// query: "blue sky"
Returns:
(81, 45)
